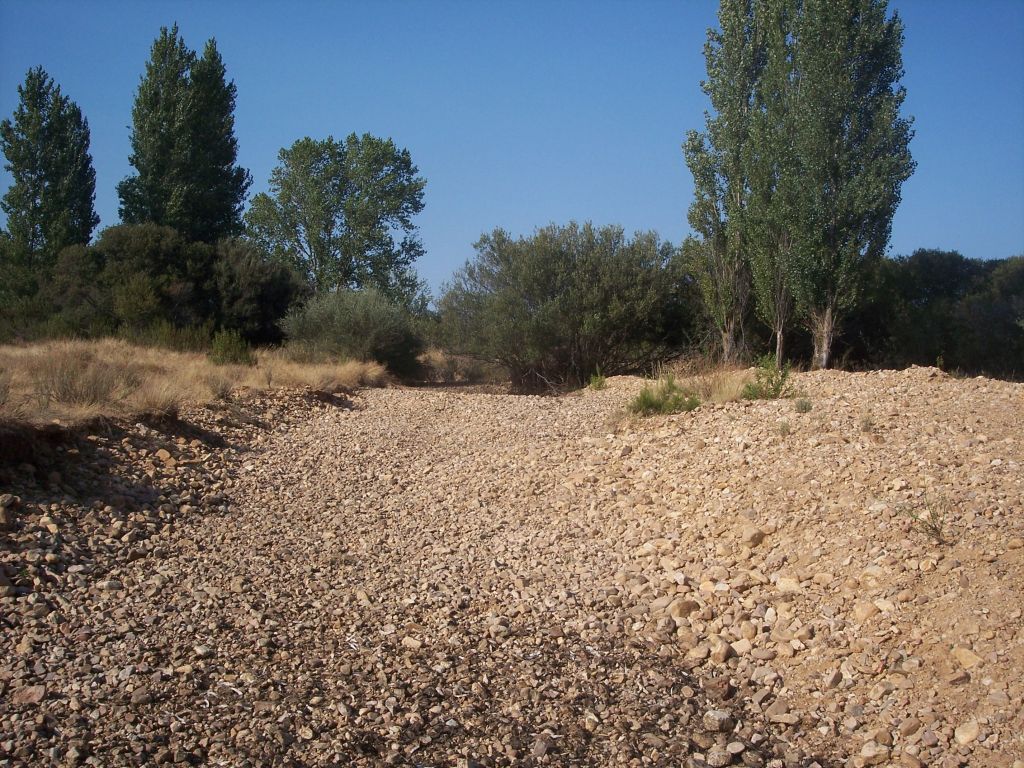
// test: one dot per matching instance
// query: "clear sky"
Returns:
(526, 112)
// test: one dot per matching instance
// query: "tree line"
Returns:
(339, 214)
(797, 174)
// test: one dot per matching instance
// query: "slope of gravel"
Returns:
(434, 578)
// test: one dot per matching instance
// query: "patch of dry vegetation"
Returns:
(711, 382)
(74, 381)
(442, 367)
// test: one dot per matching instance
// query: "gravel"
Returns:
(430, 577)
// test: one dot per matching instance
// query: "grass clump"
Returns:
(229, 348)
(76, 377)
(771, 380)
(597, 381)
(662, 397)
(802, 405)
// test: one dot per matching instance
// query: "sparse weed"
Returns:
(784, 427)
(663, 396)
(931, 517)
(866, 423)
(802, 405)
(771, 380)
(597, 381)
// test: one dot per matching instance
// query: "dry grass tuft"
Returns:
(74, 381)
(711, 382)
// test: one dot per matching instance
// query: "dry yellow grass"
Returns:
(73, 381)
(712, 383)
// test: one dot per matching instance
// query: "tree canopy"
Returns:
(183, 145)
(342, 213)
(798, 173)
(49, 204)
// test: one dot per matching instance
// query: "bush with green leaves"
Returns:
(662, 397)
(771, 380)
(556, 307)
(254, 292)
(229, 348)
(360, 325)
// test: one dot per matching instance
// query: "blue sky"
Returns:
(526, 112)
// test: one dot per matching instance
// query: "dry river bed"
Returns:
(439, 578)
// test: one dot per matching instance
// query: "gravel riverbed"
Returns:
(431, 577)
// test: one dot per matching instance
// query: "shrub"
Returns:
(556, 307)
(254, 292)
(361, 325)
(802, 405)
(664, 396)
(771, 380)
(229, 348)
(597, 381)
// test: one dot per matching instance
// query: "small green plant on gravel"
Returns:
(771, 380)
(784, 427)
(663, 396)
(931, 517)
(866, 423)
(597, 381)
(802, 405)
(229, 348)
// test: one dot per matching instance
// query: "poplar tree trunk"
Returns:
(823, 326)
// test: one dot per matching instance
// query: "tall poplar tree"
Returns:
(183, 145)
(852, 150)
(773, 174)
(735, 56)
(49, 204)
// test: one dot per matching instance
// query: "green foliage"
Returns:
(717, 159)
(254, 291)
(362, 325)
(771, 380)
(663, 397)
(939, 308)
(183, 145)
(229, 348)
(852, 157)
(49, 204)
(341, 213)
(556, 307)
(802, 405)
(799, 170)
(597, 381)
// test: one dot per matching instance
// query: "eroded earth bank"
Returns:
(439, 578)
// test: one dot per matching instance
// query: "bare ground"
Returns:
(436, 578)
